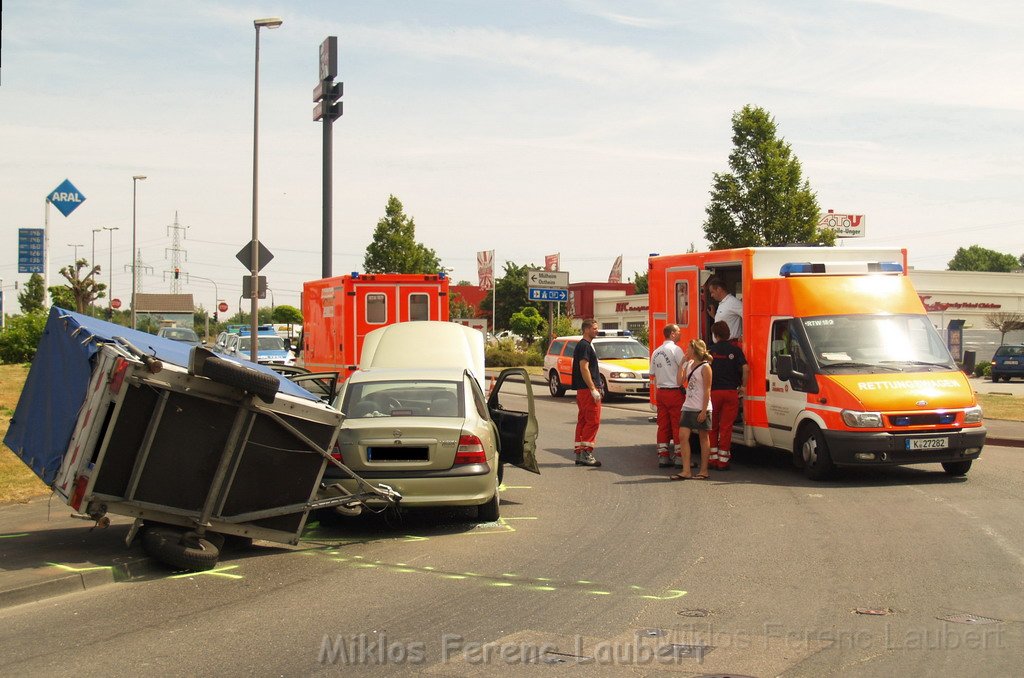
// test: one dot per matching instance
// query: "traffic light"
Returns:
(214, 316)
(176, 273)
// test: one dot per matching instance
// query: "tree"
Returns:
(83, 290)
(20, 338)
(394, 248)
(1004, 323)
(61, 295)
(511, 295)
(762, 201)
(978, 258)
(33, 296)
(458, 308)
(640, 280)
(287, 315)
(527, 323)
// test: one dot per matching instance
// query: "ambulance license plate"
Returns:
(927, 443)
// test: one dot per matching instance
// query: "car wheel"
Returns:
(811, 445)
(174, 547)
(602, 386)
(555, 385)
(501, 473)
(489, 512)
(253, 381)
(957, 468)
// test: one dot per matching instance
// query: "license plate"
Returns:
(927, 443)
(1010, 362)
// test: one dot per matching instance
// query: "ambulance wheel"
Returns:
(811, 445)
(957, 468)
(226, 372)
(179, 549)
(555, 385)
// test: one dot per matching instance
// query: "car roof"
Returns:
(577, 337)
(406, 374)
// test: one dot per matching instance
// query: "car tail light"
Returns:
(336, 453)
(471, 451)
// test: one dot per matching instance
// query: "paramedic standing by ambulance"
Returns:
(585, 377)
(728, 383)
(667, 368)
(730, 309)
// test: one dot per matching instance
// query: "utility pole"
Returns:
(325, 94)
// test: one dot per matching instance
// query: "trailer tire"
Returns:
(957, 468)
(174, 547)
(555, 385)
(814, 450)
(253, 381)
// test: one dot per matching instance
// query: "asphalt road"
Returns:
(756, 572)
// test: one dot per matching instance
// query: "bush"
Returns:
(983, 369)
(504, 356)
(19, 340)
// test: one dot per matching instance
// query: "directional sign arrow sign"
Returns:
(245, 255)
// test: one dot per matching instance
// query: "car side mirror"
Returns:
(784, 366)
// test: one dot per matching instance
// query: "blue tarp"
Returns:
(55, 389)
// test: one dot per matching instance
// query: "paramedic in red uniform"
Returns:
(585, 377)
(667, 368)
(728, 383)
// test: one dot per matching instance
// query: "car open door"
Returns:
(517, 430)
(321, 384)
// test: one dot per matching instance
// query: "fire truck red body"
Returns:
(338, 312)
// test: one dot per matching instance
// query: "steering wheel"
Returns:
(393, 403)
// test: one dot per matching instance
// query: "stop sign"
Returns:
(115, 303)
(223, 307)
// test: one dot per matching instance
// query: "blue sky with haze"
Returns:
(583, 127)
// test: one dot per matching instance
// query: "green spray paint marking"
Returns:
(12, 536)
(68, 568)
(217, 572)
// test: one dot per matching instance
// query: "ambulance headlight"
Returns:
(855, 419)
(972, 415)
(622, 375)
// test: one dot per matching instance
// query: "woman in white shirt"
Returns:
(696, 408)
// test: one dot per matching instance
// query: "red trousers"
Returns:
(725, 405)
(588, 419)
(670, 408)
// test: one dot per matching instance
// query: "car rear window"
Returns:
(556, 348)
(1006, 351)
(404, 398)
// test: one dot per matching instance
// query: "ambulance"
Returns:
(339, 312)
(845, 367)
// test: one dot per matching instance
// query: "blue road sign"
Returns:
(31, 257)
(66, 197)
(545, 294)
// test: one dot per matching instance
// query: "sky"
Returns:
(589, 128)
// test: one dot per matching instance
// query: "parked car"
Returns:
(418, 421)
(185, 334)
(270, 349)
(1008, 362)
(623, 361)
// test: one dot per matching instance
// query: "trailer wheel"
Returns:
(957, 468)
(226, 372)
(555, 385)
(173, 546)
(814, 450)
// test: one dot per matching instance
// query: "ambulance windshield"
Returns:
(907, 343)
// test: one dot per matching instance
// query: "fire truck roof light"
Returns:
(839, 268)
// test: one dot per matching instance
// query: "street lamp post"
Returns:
(135, 183)
(93, 260)
(110, 273)
(271, 22)
(76, 249)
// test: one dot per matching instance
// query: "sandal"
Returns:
(679, 476)
(701, 476)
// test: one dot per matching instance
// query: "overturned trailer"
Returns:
(193, 445)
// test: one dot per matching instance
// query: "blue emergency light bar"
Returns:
(260, 329)
(839, 268)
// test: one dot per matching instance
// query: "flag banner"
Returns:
(616, 275)
(551, 262)
(485, 269)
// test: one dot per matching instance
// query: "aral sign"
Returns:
(66, 197)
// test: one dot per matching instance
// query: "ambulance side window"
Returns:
(682, 303)
(785, 341)
(376, 309)
(419, 307)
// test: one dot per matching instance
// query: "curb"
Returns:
(42, 585)
(1004, 442)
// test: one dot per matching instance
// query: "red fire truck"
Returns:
(338, 312)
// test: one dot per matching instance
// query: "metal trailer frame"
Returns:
(258, 487)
